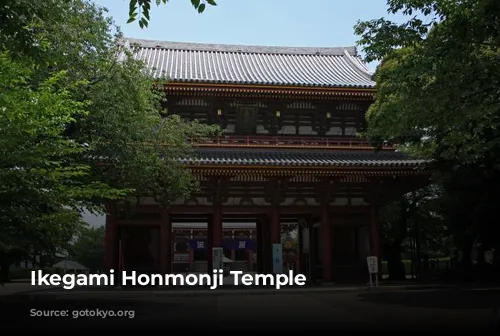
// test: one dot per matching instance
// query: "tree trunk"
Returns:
(482, 267)
(466, 262)
(395, 266)
(496, 263)
(4, 270)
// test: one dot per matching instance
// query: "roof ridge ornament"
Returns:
(255, 49)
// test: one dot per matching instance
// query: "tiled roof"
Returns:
(233, 64)
(330, 158)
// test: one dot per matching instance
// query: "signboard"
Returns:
(277, 259)
(372, 264)
(218, 258)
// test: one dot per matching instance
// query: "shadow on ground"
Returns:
(446, 299)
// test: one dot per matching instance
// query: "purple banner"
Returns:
(228, 244)
(198, 244)
(243, 244)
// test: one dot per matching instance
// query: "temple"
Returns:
(288, 184)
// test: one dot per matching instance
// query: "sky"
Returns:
(295, 23)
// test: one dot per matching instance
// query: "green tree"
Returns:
(139, 9)
(82, 123)
(438, 82)
(89, 248)
(39, 176)
(418, 213)
(438, 90)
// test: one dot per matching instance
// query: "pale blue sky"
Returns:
(298, 23)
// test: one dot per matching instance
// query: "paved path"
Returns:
(418, 310)
(22, 287)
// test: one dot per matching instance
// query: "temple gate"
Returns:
(288, 157)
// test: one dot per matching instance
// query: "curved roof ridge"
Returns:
(255, 49)
(358, 64)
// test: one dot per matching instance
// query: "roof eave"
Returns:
(313, 91)
(242, 85)
(351, 167)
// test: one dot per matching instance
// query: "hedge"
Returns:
(439, 262)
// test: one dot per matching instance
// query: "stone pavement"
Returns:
(22, 287)
(396, 309)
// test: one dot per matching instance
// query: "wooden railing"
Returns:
(263, 140)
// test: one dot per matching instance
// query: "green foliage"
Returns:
(79, 125)
(418, 215)
(25, 273)
(23, 21)
(39, 175)
(438, 84)
(139, 9)
(438, 96)
(89, 248)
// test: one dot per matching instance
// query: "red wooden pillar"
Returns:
(165, 243)
(260, 247)
(375, 233)
(210, 236)
(265, 246)
(326, 235)
(110, 238)
(191, 259)
(250, 260)
(275, 227)
(274, 220)
(274, 234)
(215, 225)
